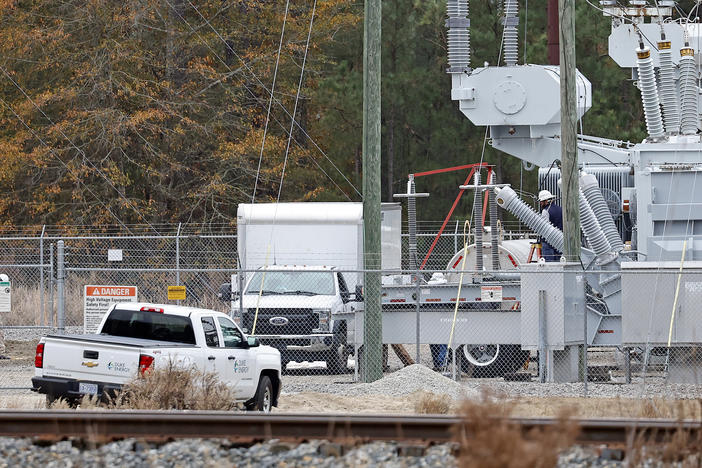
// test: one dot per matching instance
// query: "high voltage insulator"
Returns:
(591, 189)
(589, 225)
(478, 213)
(689, 114)
(666, 90)
(649, 93)
(458, 35)
(511, 34)
(508, 199)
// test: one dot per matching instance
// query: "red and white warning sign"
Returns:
(98, 299)
(491, 293)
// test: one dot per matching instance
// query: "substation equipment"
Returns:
(640, 208)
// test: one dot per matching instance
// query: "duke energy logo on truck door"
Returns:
(98, 299)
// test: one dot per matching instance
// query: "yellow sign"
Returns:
(176, 293)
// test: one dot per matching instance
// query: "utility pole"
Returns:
(570, 187)
(372, 368)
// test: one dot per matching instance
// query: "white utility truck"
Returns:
(135, 337)
(302, 267)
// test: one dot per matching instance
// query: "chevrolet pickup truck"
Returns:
(136, 337)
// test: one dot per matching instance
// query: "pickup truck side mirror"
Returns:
(359, 293)
(346, 297)
(226, 294)
(253, 341)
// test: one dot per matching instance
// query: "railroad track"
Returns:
(102, 426)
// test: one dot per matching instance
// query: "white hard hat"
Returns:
(545, 195)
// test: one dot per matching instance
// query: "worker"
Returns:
(554, 215)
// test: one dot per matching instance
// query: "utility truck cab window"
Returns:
(231, 335)
(149, 325)
(292, 282)
(210, 330)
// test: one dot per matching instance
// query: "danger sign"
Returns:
(491, 293)
(99, 298)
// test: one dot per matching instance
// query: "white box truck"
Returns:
(302, 265)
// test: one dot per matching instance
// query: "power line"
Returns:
(226, 44)
(270, 103)
(85, 158)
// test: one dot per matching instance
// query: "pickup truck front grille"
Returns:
(281, 321)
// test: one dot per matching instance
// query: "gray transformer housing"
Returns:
(647, 303)
(563, 309)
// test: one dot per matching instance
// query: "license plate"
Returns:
(87, 388)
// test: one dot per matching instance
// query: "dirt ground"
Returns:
(315, 403)
(20, 349)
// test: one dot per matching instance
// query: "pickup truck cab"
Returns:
(134, 337)
(296, 310)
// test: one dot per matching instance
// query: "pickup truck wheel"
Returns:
(337, 359)
(263, 400)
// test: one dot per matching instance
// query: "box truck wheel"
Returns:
(491, 360)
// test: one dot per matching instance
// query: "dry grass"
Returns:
(172, 387)
(608, 407)
(431, 403)
(488, 440)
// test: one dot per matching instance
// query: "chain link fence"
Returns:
(541, 329)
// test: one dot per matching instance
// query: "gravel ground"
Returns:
(33, 334)
(209, 453)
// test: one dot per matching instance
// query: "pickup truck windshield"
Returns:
(294, 282)
(149, 325)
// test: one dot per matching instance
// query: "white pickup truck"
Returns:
(134, 337)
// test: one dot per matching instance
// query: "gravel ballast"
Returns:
(206, 453)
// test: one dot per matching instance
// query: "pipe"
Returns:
(649, 93)
(591, 189)
(478, 213)
(508, 199)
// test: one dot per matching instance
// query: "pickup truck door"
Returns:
(241, 361)
(215, 354)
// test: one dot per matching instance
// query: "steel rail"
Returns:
(248, 427)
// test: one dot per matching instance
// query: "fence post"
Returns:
(51, 284)
(60, 278)
(178, 259)
(41, 273)
(542, 336)
(585, 349)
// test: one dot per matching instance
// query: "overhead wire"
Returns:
(85, 157)
(246, 66)
(270, 101)
(297, 98)
(58, 158)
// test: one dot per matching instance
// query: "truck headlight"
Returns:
(324, 319)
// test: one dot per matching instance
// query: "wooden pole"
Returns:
(570, 187)
(372, 330)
